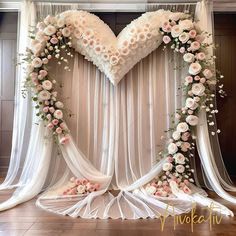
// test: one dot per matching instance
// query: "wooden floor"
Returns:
(27, 219)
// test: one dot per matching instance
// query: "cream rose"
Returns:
(207, 73)
(151, 189)
(190, 103)
(184, 37)
(176, 31)
(198, 89)
(47, 85)
(176, 135)
(172, 148)
(81, 189)
(188, 57)
(66, 32)
(59, 104)
(186, 24)
(167, 166)
(179, 158)
(44, 95)
(180, 168)
(192, 120)
(195, 46)
(201, 56)
(37, 62)
(182, 127)
(50, 30)
(194, 68)
(58, 114)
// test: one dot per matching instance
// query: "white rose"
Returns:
(176, 135)
(194, 68)
(184, 37)
(40, 36)
(66, 32)
(176, 31)
(58, 114)
(172, 148)
(192, 120)
(151, 189)
(175, 16)
(60, 23)
(207, 73)
(182, 127)
(59, 105)
(50, 30)
(186, 24)
(167, 166)
(37, 62)
(179, 158)
(180, 168)
(49, 20)
(188, 57)
(41, 26)
(198, 89)
(81, 189)
(37, 48)
(47, 85)
(44, 95)
(195, 46)
(191, 103)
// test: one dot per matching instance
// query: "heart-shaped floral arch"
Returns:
(115, 56)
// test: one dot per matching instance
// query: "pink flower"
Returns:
(166, 39)
(45, 61)
(50, 126)
(45, 109)
(51, 109)
(201, 56)
(84, 181)
(64, 140)
(192, 33)
(182, 50)
(55, 121)
(78, 182)
(49, 117)
(33, 75)
(203, 80)
(200, 38)
(185, 136)
(63, 126)
(97, 186)
(170, 158)
(187, 190)
(54, 40)
(207, 73)
(166, 27)
(43, 73)
(39, 87)
(188, 80)
(58, 130)
(195, 46)
(58, 114)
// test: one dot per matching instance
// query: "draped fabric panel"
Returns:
(116, 136)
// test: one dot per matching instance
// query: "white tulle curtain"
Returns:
(115, 136)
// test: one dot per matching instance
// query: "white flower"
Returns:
(176, 135)
(186, 24)
(37, 48)
(172, 148)
(176, 31)
(179, 158)
(50, 20)
(180, 168)
(167, 166)
(50, 30)
(59, 104)
(41, 26)
(198, 89)
(194, 68)
(81, 189)
(37, 62)
(175, 16)
(182, 127)
(58, 114)
(44, 95)
(114, 60)
(47, 85)
(188, 80)
(192, 120)
(207, 73)
(188, 57)
(60, 22)
(40, 36)
(184, 37)
(151, 189)
(66, 32)
(191, 103)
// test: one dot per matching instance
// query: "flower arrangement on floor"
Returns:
(80, 186)
(57, 36)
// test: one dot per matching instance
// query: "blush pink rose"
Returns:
(166, 39)
(50, 126)
(58, 130)
(64, 140)
(55, 121)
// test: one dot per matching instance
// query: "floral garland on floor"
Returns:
(53, 40)
(185, 38)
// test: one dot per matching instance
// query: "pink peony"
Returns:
(166, 39)
(64, 140)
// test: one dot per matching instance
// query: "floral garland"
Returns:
(185, 38)
(53, 40)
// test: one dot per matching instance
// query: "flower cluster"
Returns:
(80, 186)
(184, 38)
(52, 40)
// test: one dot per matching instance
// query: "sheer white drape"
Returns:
(115, 140)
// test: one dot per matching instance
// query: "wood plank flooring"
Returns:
(27, 219)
